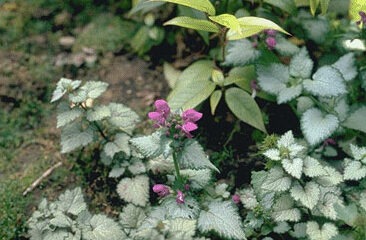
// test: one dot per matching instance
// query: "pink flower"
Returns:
(162, 112)
(186, 187)
(363, 18)
(270, 32)
(191, 115)
(161, 190)
(188, 127)
(255, 44)
(236, 198)
(180, 197)
(271, 43)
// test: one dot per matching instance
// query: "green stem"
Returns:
(235, 129)
(320, 105)
(176, 166)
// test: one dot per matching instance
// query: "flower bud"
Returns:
(180, 197)
(161, 190)
(236, 198)
(271, 43)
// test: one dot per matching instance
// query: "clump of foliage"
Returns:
(311, 188)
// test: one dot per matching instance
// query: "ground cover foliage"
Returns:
(262, 135)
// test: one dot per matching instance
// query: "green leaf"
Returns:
(313, 168)
(326, 232)
(189, 210)
(193, 156)
(65, 114)
(63, 86)
(218, 77)
(293, 166)
(241, 53)
(347, 66)
(201, 5)
(72, 201)
(145, 6)
(285, 47)
(244, 107)
(131, 216)
(243, 77)
(357, 120)
(252, 25)
(151, 146)
(227, 20)
(286, 5)
(98, 113)
(134, 190)
(171, 74)
(223, 218)
(308, 195)
(327, 82)
(197, 24)
(198, 179)
(73, 136)
(284, 209)
(193, 86)
(214, 100)
(276, 181)
(354, 170)
(181, 228)
(301, 65)
(324, 4)
(317, 126)
(123, 117)
(348, 214)
(120, 144)
(103, 228)
(313, 6)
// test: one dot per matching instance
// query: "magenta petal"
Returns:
(180, 197)
(189, 127)
(191, 115)
(161, 190)
(162, 106)
(271, 43)
(236, 199)
(155, 116)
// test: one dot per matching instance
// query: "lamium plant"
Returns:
(309, 182)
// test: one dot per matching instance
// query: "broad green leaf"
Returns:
(253, 25)
(326, 232)
(171, 74)
(357, 120)
(65, 114)
(120, 144)
(293, 166)
(103, 228)
(324, 4)
(358, 153)
(327, 82)
(301, 65)
(123, 117)
(131, 216)
(91, 89)
(151, 146)
(72, 201)
(193, 86)
(218, 77)
(197, 24)
(198, 179)
(308, 195)
(145, 6)
(73, 136)
(181, 228)
(240, 53)
(227, 20)
(286, 5)
(314, 6)
(243, 77)
(317, 126)
(98, 113)
(189, 210)
(276, 181)
(347, 66)
(201, 5)
(223, 218)
(313, 168)
(134, 190)
(354, 170)
(284, 209)
(63, 86)
(244, 107)
(347, 213)
(192, 156)
(214, 100)
(285, 47)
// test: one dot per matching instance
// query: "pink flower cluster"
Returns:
(163, 191)
(177, 125)
(270, 41)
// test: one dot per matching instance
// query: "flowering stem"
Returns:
(176, 166)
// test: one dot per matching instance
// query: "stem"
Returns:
(223, 43)
(320, 105)
(235, 129)
(176, 166)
